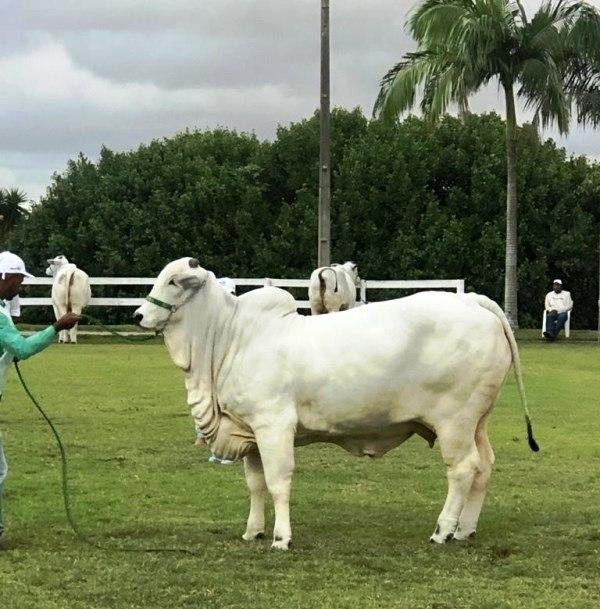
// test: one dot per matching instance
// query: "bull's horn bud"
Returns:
(194, 263)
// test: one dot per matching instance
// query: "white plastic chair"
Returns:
(567, 324)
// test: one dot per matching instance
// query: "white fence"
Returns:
(454, 284)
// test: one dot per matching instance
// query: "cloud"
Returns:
(75, 75)
(54, 104)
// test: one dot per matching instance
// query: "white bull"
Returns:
(261, 378)
(70, 292)
(333, 288)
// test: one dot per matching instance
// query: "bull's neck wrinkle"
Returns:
(198, 341)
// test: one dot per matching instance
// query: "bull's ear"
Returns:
(191, 281)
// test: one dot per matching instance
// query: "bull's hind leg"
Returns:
(63, 335)
(467, 524)
(73, 331)
(255, 479)
(462, 459)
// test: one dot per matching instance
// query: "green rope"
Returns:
(131, 339)
(66, 493)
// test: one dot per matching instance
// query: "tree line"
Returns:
(411, 200)
(549, 60)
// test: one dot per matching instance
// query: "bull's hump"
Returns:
(268, 299)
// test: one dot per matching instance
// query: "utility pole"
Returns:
(599, 289)
(324, 246)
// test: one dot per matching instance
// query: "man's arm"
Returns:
(569, 303)
(12, 341)
(547, 304)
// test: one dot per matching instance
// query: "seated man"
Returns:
(558, 304)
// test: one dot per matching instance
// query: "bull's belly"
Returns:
(363, 429)
(367, 443)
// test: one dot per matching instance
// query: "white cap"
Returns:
(11, 263)
(557, 281)
(227, 284)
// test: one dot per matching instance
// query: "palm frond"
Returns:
(552, 59)
(518, 10)
(582, 82)
(432, 20)
(542, 34)
(587, 104)
(582, 33)
(399, 87)
(581, 62)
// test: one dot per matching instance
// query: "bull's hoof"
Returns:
(253, 536)
(440, 537)
(281, 544)
(463, 535)
(441, 540)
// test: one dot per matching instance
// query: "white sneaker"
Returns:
(214, 459)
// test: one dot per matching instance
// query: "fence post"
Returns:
(460, 288)
(363, 291)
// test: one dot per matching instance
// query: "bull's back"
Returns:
(396, 359)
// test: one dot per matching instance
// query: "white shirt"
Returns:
(14, 306)
(7, 357)
(560, 302)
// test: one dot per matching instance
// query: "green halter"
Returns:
(160, 303)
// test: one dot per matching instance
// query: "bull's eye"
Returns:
(172, 282)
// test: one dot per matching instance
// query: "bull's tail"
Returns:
(323, 285)
(493, 307)
(69, 279)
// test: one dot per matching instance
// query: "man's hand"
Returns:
(66, 322)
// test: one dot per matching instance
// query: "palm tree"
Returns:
(551, 62)
(12, 211)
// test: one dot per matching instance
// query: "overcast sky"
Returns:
(75, 75)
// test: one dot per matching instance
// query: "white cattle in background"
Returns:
(70, 292)
(261, 379)
(333, 288)
(227, 284)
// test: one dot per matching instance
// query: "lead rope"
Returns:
(66, 494)
(131, 339)
(155, 301)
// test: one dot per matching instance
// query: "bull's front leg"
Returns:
(276, 447)
(255, 479)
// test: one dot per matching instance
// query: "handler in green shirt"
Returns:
(12, 344)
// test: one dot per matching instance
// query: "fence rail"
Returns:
(454, 284)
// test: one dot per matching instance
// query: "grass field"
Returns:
(361, 528)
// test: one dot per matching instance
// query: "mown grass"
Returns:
(361, 527)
